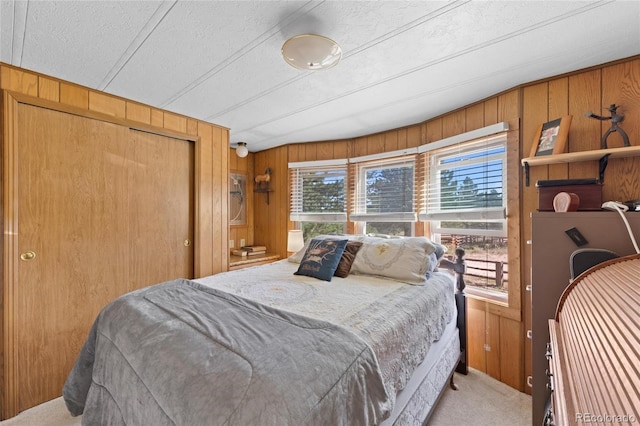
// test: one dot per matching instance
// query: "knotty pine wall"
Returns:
(211, 153)
(244, 166)
(497, 333)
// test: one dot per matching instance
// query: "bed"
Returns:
(283, 343)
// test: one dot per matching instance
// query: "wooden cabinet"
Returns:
(550, 274)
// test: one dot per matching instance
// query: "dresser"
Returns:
(550, 275)
(594, 347)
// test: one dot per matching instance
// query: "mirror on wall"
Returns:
(237, 199)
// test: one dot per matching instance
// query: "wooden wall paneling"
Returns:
(511, 360)
(138, 112)
(534, 112)
(492, 339)
(220, 164)
(584, 95)
(250, 200)
(192, 126)
(433, 130)
(402, 138)
(271, 220)
(48, 89)
(341, 149)
(73, 95)
(621, 86)
(474, 116)
(324, 151)
(453, 124)
(157, 118)
(558, 106)
(310, 152)
(508, 109)
(282, 198)
(296, 152)
(414, 136)
(106, 104)
(175, 122)
(375, 143)
(491, 109)
(18, 80)
(237, 233)
(476, 318)
(203, 231)
(261, 210)
(391, 140)
(359, 147)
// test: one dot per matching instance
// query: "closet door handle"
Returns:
(187, 242)
(28, 255)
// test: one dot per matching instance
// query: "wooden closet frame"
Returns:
(9, 215)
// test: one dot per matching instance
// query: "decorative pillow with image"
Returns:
(400, 259)
(321, 258)
(348, 256)
(297, 256)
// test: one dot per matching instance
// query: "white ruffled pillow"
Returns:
(400, 259)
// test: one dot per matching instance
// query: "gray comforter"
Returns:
(182, 353)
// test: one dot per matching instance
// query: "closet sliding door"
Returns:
(160, 198)
(96, 210)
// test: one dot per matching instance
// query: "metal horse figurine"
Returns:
(615, 119)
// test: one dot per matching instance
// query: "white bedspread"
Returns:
(399, 321)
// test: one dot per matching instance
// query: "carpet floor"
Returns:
(480, 400)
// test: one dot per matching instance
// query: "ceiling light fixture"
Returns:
(311, 52)
(242, 150)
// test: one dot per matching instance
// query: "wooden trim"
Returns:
(9, 367)
(57, 106)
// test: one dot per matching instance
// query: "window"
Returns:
(384, 195)
(318, 197)
(465, 204)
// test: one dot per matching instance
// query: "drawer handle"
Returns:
(548, 354)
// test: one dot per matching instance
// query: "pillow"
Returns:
(402, 259)
(297, 257)
(321, 258)
(346, 261)
(433, 264)
(434, 258)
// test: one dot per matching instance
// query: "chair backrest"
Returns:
(583, 259)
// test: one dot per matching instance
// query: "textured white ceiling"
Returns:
(403, 61)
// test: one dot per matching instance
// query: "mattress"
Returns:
(399, 321)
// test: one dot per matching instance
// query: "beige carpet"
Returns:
(480, 401)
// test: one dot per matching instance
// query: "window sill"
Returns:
(501, 299)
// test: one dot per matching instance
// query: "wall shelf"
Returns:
(601, 155)
(264, 191)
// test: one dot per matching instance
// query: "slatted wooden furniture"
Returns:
(594, 351)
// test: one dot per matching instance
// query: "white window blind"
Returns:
(384, 190)
(465, 189)
(318, 191)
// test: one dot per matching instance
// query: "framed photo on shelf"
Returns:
(551, 137)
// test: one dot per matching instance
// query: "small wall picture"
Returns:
(237, 199)
(551, 137)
